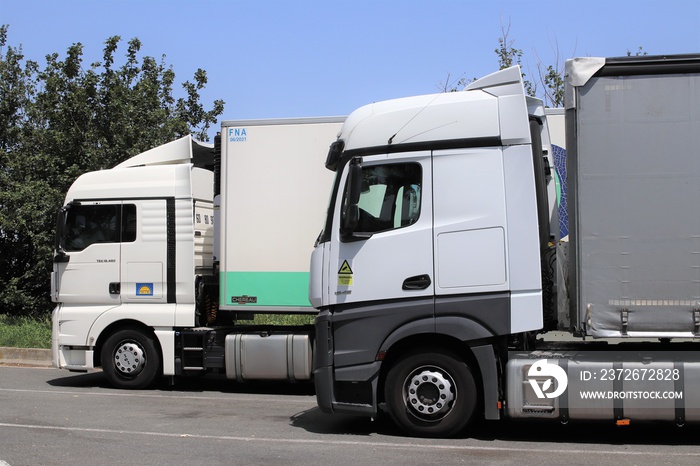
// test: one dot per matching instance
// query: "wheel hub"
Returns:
(129, 358)
(429, 394)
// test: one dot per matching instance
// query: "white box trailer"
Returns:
(274, 194)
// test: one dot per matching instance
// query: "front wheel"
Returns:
(431, 394)
(130, 359)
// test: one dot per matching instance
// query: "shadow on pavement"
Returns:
(207, 383)
(90, 379)
(541, 432)
(314, 421)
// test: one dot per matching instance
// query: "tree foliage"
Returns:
(64, 119)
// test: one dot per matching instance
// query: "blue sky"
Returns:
(275, 58)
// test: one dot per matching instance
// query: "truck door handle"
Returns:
(419, 282)
(115, 288)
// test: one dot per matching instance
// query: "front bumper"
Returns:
(73, 359)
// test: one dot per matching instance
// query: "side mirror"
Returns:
(61, 219)
(334, 153)
(61, 230)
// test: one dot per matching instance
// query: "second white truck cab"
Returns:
(129, 259)
(432, 233)
(437, 187)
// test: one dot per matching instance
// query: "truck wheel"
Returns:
(431, 394)
(130, 359)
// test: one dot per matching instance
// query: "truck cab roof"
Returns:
(493, 103)
(183, 150)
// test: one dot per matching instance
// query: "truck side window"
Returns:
(128, 223)
(90, 224)
(391, 197)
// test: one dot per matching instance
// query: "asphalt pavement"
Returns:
(54, 417)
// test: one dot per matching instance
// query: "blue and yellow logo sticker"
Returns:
(144, 289)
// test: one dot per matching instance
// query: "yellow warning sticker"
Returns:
(345, 274)
(345, 269)
(344, 280)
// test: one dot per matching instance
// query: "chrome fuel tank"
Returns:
(586, 385)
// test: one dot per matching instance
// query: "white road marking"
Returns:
(331, 442)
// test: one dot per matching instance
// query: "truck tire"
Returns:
(130, 359)
(431, 394)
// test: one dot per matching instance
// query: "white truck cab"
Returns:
(131, 259)
(434, 230)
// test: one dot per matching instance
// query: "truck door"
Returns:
(144, 265)
(388, 254)
(87, 262)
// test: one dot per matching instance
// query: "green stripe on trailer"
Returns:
(265, 289)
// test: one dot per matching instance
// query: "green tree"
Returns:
(17, 88)
(65, 119)
(553, 82)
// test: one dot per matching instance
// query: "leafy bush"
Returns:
(25, 332)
